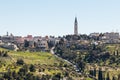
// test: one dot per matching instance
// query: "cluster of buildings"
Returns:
(108, 37)
(19, 42)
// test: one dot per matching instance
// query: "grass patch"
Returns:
(44, 59)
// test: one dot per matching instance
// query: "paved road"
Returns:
(75, 67)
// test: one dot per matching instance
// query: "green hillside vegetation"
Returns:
(112, 47)
(88, 57)
(35, 57)
(44, 63)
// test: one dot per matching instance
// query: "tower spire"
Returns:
(75, 27)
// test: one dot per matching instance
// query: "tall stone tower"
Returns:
(75, 27)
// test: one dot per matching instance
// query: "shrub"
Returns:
(20, 62)
(32, 68)
(5, 54)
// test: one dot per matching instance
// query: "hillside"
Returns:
(92, 59)
(44, 62)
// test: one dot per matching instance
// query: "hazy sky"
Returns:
(56, 17)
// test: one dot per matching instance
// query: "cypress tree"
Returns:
(94, 72)
(100, 76)
(91, 72)
(108, 77)
(113, 78)
(119, 77)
